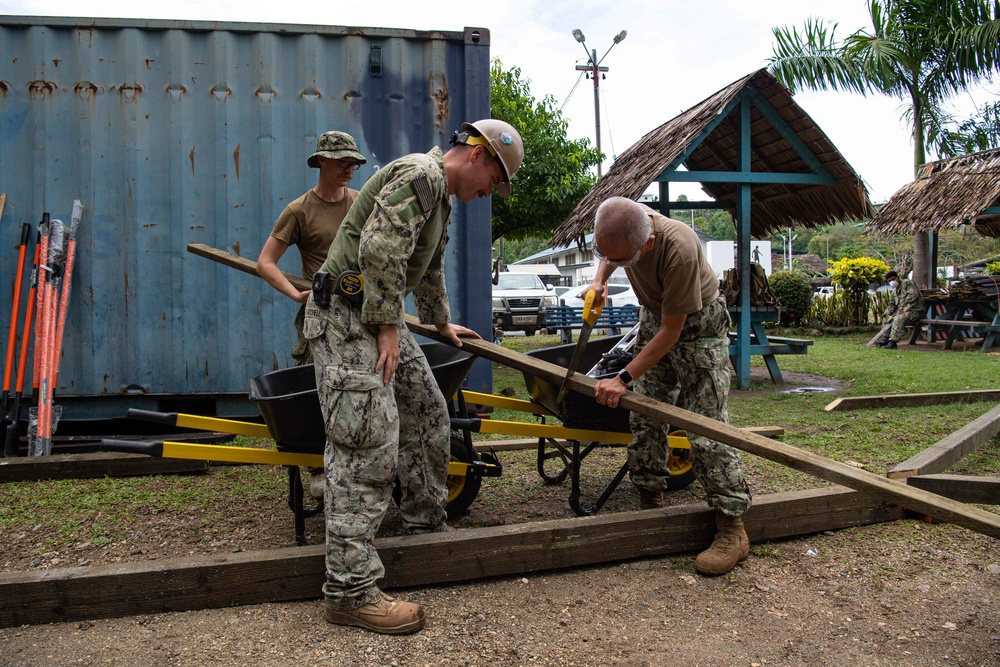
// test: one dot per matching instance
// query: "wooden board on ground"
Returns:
(964, 488)
(912, 400)
(88, 466)
(948, 451)
(297, 573)
(818, 466)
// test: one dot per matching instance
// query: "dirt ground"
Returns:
(905, 593)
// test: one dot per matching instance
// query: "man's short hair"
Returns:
(621, 220)
(891, 274)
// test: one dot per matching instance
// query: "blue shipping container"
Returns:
(174, 132)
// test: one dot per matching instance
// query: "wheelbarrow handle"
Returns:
(147, 447)
(169, 418)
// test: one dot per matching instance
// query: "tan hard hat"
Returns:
(505, 144)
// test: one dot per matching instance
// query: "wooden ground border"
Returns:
(297, 573)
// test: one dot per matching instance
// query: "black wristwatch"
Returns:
(625, 377)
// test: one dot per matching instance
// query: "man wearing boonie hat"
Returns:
(382, 408)
(310, 223)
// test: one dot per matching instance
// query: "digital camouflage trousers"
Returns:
(374, 433)
(694, 375)
(902, 320)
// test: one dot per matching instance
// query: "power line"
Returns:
(575, 85)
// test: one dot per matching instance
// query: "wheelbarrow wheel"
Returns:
(680, 466)
(462, 489)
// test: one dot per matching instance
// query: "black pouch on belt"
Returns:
(322, 286)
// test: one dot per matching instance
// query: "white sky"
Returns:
(676, 54)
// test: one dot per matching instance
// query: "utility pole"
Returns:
(595, 71)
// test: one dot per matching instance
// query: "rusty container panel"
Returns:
(173, 132)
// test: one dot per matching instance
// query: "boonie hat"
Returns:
(335, 146)
(502, 141)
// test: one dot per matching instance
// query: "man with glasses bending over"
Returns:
(681, 354)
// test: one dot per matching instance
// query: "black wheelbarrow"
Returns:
(604, 357)
(289, 403)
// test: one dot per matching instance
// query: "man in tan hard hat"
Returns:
(384, 413)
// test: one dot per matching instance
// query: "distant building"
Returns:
(577, 266)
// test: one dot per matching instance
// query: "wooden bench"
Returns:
(565, 319)
(952, 329)
(774, 345)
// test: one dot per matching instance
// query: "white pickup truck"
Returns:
(519, 302)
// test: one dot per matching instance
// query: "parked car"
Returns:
(519, 302)
(824, 292)
(560, 290)
(618, 295)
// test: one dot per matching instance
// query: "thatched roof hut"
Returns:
(706, 138)
(947, 194)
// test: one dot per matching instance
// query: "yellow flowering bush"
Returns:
(857, 273)
(854, 275)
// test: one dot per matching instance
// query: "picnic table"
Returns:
(959, 318)
(760, 343)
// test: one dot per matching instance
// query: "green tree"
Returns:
(555, 174)
(920, 51)
(979, 133)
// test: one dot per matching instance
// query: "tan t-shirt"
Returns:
(311, 223)
(674, 278)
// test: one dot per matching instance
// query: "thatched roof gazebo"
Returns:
(756, 153)
(947, 194)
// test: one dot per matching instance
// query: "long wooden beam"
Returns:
(912, 400)
(297, 573)
(952, 448)
(774, 450)
(813, 464)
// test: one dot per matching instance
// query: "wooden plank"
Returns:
(942, 509)
(949, 450)
(297, 573)
(532, 443)
(882, 331)
(912, 400)
(964, 488)
(87, 466)
(774, 450)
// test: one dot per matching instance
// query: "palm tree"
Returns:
(920, 51)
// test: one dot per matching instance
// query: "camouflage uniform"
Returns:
(396, 234)
(906, 307)
(697, 369)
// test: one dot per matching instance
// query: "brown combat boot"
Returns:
(651, 499)
(731, 545)
(385, 615)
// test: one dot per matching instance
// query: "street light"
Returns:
(594, 69)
